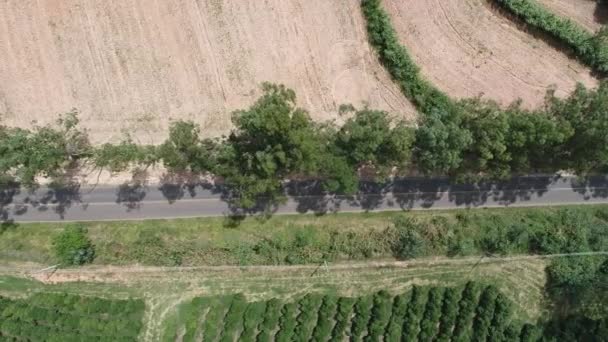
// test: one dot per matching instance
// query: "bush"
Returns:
(381, 314)
(73, 247)
(409, 242)
(588, 49)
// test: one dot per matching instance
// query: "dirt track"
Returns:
(467, 49)
(136, 64)
(582, 12)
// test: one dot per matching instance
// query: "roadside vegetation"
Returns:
(305, 239)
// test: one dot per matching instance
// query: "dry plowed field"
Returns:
(137, 64)
(583, 12)
(466, 49)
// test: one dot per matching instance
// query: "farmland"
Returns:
(585, 13)
(145, 66)
(467, 50)
(170, 292)
(470, 90)
(446, 314)
(63, 317)
(129, 65)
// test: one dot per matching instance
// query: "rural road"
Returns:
(136, 202)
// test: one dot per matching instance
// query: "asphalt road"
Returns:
(136, 202)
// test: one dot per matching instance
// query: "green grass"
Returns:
(298, 239)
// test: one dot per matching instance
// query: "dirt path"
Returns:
(136, 64)
(582, 12)
(467, 49)
(126, 274)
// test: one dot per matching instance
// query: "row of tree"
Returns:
(274, 140)
(590, 48)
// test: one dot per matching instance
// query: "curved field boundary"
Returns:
(135, 65)
(577, 38)
(584, 12)
(466, 49)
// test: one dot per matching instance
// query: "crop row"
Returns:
(471, 313)
(62, 317)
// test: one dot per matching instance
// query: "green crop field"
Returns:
(466, 313)
(63, 317)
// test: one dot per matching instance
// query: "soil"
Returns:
(467, 49)
(583, 12)
(135, 65)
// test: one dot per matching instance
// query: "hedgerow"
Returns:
(395, 325)
(501, 319)
(269, 325)
(589, 48)
(214, 320)
(307, 318)
(432, 315)
(345, 309)
(466, 312)
(449, 313)
(485, 313)
(363, 311)
(413, 314)
(233, 321)
(380, 316)
(287, 322)
(252, 319)
(325, 319)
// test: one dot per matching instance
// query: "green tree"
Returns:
(184, 150)
(585, 110)
(368, 139)
(441, 142)
(73, 247)
(272, 139)
(46, 151)
(119, 157)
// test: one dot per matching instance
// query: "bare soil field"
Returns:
(134, 65)
(582, 12)
(468, 50)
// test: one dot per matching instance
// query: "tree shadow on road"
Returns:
(591, 187)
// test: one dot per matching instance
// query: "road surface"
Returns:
(137, 202)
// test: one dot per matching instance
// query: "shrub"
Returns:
(363, 310)
(432, 315)
(395, 325)
(73, 247)
(577, 38)
(345, 309)
(409, 242)
(381, 314)
(449, 313)
(327, 311)
(413, 315)
(466, 312)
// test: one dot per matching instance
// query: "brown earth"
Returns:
(583, 12)
(134, 65)
(466, 49)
